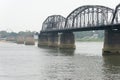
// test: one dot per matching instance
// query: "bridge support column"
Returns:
(43, 39)
(67, 40)
(53, 39)
(111, 42)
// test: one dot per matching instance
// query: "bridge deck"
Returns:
(102, 27)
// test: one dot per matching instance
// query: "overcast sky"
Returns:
(22, 15)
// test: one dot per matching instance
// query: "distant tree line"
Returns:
(83, 34)
(5, 34)
(78, 35)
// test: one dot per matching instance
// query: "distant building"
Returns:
(94, 36)
(35, 37)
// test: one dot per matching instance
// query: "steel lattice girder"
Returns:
(88, 9)
(53, 22)
(116, 14)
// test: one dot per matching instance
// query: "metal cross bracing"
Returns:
(84, 18)
(89, 16)
(53, 22)
(116, 15)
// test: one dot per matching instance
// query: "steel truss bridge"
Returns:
(84, 18)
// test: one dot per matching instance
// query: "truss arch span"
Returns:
(116, 15)
(89, 15)
(53, 22)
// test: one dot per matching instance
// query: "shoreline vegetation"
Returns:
(90, 40)
(78, 40)
(22, 37)
(89, 36)
(83, 36)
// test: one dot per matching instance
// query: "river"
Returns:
(21, 62)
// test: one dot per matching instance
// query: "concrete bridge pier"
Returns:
(67, 40)
(111, 42)
(53, 39)
(43, 39)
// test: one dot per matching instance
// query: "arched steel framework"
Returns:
(53, 22)
(89, 16)
(116, 15)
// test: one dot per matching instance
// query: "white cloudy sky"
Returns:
(22, 15)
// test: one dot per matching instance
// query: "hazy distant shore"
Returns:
(90, 40)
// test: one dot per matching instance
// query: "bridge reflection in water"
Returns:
(68, 65)
(111, 67)
(20, 62)
(84, 18)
